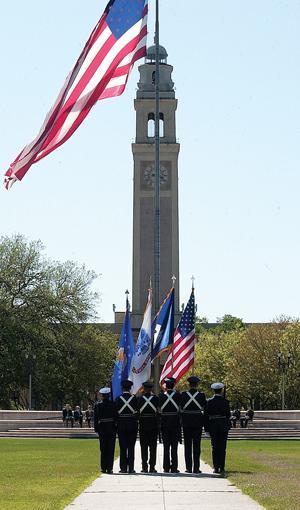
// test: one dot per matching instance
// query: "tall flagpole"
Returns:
(195, 312)
(157, 189)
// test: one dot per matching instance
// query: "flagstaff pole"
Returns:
(195, 313)
(157, 190)
(172, 358)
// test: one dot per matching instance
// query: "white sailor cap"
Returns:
(104, 391)
(217, 386)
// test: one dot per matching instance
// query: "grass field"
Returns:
(268, 471)
(45, 474)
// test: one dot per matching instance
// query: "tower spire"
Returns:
(155, 154)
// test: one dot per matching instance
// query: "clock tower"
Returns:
(144, 175)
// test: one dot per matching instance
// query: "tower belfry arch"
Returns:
(143, 150)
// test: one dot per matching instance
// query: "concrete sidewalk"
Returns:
(162, 491)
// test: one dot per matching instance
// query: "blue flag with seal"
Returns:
(163, 326)
(124, 355)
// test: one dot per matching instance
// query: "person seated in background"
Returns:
(249, 416)
(235, 416)
(89, 414)
(69, 416)
(64, 414)
(78, 416)
(243, 418)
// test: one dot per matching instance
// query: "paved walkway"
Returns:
(162, 491)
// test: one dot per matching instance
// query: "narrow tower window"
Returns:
(151, 125)
(161, 125)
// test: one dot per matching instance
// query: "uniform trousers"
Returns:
(192, 447)
(148, 441)
(107, 450)
(170, 437)
(218, 443)
(127, 440)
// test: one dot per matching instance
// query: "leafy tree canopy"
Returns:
(246, 360)
(44, 308)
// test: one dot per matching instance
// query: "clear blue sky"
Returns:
(237, 75)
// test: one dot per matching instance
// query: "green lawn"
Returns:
(45, 474)
(268, 471)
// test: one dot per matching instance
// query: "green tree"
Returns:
(42, 302)
(74, 365)
(246, 360)
(229, 323)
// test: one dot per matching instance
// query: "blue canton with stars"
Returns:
(187, 321)
(124, 14)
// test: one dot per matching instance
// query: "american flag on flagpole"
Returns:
(182, 354)
(102, 70)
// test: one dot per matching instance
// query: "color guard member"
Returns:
(193, 403)
(105, 418)
(148, 426)
(169, 403)
(127, 425)
(217, 423)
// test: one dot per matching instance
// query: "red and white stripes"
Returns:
(101, 71)
(181, 356)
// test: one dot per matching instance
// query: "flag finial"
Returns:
(173, 280)
(127, 300)
(193, 282)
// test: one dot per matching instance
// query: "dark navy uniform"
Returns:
(148, 427)
(193, 403)
(217, 423)
(105, 419)
(169, 403)
(127, 425)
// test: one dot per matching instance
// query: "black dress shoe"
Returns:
(144, 470)
(166, 471)
(216, 470)
(110, 472)
(123, 472)
(188, 471)
(175, 471)
(131, 471)
(152, 470)
(222, 472)
(197, 471)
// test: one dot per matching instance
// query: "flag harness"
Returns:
(192, 399)
(126, 404)
(148, 402)
(170, 400)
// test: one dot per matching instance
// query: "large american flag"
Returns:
(181, 356)
(117, 41)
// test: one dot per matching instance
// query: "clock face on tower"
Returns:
(149, 174)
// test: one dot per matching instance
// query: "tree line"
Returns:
(48, 330)
(250, 360)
